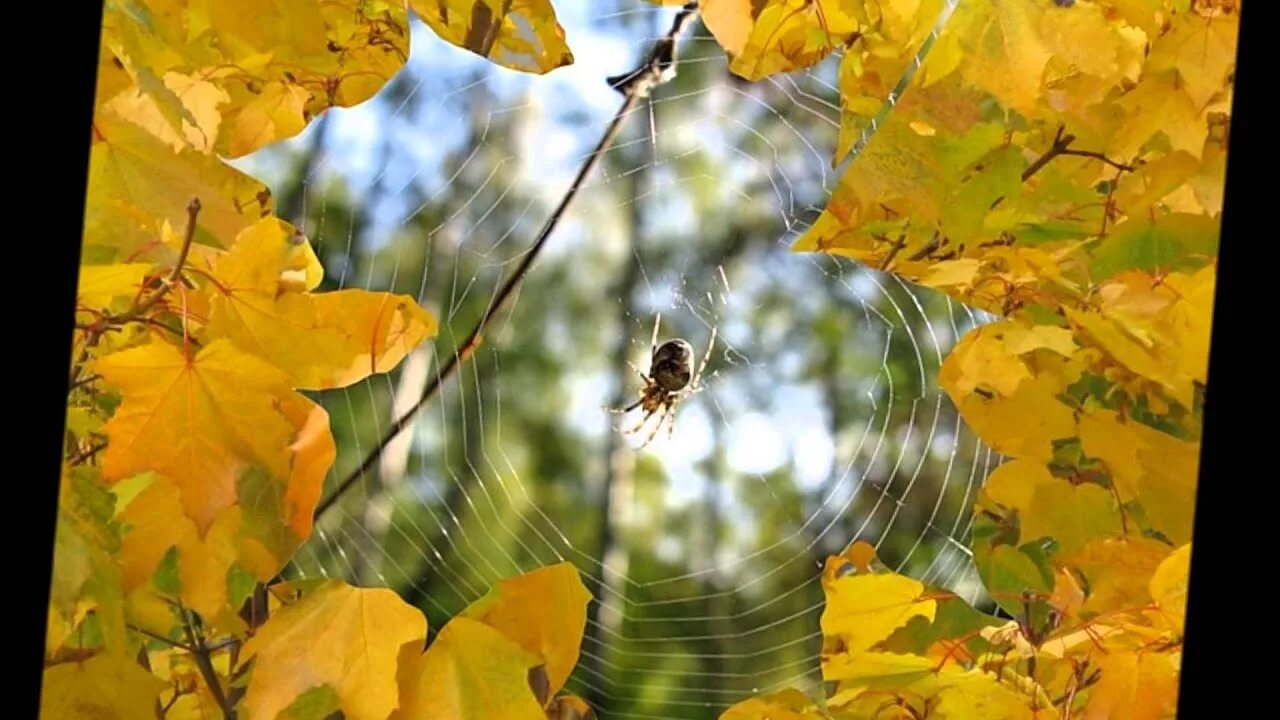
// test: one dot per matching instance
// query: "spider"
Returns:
(669, 382)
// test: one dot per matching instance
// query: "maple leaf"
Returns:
(523, 35)
(136, 182)
(877, 669)
(1050, 507)
(337, 635)
(106, 686)
(863, 610)
(787, 704)
(202, 421)
(1117, 571)
(241, 74)
(775, 36)
(470, 672)
(1014, 410)
(1133, 685)
(323, 341)
(544, 611)
(1168, 586)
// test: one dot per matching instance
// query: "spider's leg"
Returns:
(697, 377)
(666, 412)
(653, 344)
(627, 409)
(640, 424)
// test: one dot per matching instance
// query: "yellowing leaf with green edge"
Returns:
(337, 635)
(136, 183)
(323, 341)
(863, 610)
(1177, 241)
(1117, 571)
(788, 704)
(470, 672)
(783, 35)
(200, 420)
(876, 670)
(1134, 686)
(1007, 572)
(85, 575)
(1051, 507)
(523, 35)
(99, 285)
(544, 611)
(1168, 586)
(104, 687)
(156, 523)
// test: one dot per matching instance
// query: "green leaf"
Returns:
(1179, 241)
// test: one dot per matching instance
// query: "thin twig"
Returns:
(168, 641)
(464, 349)
(1098, 156)
(193, 211)
(94, 333)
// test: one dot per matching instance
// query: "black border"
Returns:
(55, 120)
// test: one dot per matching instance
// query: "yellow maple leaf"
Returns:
(99, 285)
(863, 610)
(523, 35)
(1168, 586)
(337, 635)
(1117, 571)
(544, 611)
(471, 671)
(1202, 50)
(877, 669)
(241, 74)
(980, 695)
(1134, 686)
(323, 341)
(787, 704)
(202, 421)
(104, 687)
(775, 36)
(1071, 514)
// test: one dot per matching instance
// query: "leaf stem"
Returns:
(464, 349)
(200, 653)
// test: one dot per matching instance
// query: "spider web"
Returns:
(820, 422)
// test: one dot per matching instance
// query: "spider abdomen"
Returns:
(672, 365)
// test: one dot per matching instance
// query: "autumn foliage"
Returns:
(1060, 164)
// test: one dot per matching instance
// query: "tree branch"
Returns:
(473, 339)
